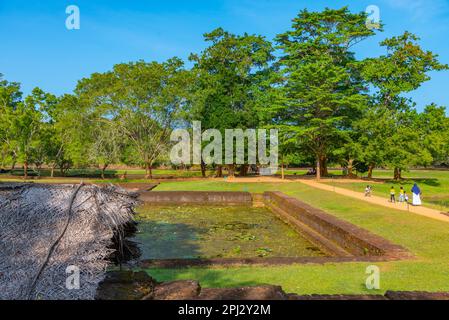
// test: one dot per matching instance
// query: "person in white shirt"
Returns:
(416, 200)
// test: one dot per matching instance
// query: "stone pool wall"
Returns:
(338, 237)
(197, 198)
(340, 240)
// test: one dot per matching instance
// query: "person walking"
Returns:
(416, 197)
(392, 195)
(368, 191)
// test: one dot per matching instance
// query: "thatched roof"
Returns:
(46, 228)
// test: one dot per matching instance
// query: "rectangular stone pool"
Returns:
(208, 232)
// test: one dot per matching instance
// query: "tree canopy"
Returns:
(328, 105)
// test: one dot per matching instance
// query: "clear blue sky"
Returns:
(37, 50)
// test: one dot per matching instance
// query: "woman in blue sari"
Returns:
(416, 191)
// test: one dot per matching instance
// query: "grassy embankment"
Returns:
(428, 239)
(434, 185)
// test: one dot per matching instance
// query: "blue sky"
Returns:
(36, 49)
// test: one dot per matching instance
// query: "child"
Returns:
(405, 197)
(401, 194)
(392, 195)
(368, 191)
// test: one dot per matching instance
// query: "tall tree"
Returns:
(69, 134)
(10, 97)
(229, 78)
(403, 69)
(323, 90)
(106, 144)
(433, 127)
(143, 100)
(25, 124)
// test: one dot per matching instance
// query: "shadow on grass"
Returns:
(426, 181)
(433, 182)
(423, 181)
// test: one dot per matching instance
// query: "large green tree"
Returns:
(230, 76)
(143, 100)
(69, 132)
(323, 90)
(10, 97)
(402, 69)
(25, 123)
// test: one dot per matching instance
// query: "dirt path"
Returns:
(427, 212)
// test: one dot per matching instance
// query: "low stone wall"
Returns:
(340, 240)
(337, 237)
(197, 197)
(256, 261)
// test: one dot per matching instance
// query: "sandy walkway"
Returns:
(427, 212)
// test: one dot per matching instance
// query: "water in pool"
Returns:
(217, 232)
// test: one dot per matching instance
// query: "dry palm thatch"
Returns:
(44, 229)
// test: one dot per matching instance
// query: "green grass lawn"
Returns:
(428, 239)
(434, 186)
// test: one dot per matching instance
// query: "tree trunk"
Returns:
(103, 170)
(219, 172)
(52, 172)
(397, 174)
(203, 168)
(282, 171)
(323, 166)
(64, 168)
(244, 170)
(3, 161)
(149, 171)
(370, 171)
(25, 170)
(231, 170)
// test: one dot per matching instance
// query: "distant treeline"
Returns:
(329, 106)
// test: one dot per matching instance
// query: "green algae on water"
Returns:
(184, 232)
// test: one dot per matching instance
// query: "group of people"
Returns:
(403, 196)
